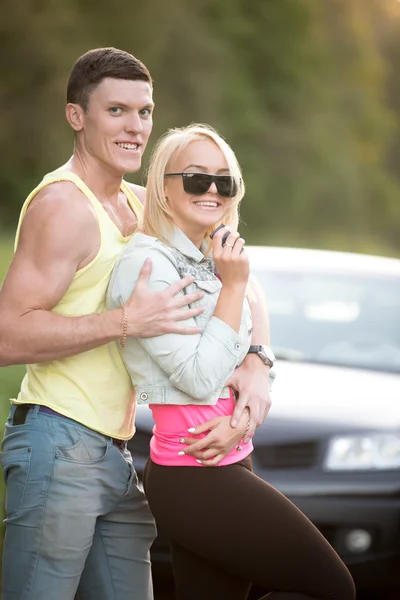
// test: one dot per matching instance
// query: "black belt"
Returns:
(22, 410)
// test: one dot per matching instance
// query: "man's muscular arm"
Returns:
(59, 235)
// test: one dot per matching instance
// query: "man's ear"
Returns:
(75, 116)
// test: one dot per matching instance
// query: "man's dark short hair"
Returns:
(95, 65)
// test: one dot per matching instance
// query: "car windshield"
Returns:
(346, 320)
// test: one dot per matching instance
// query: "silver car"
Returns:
(331, 442)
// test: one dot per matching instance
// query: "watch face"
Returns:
(267, 353)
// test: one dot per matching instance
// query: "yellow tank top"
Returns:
(93, 387)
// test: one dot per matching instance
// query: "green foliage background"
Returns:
(10, 377)
(306, 91)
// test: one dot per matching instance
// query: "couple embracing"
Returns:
(118, 295)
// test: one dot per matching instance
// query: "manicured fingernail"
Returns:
(233, 423)
(181, 453)
(192, 429)
(182, 440)
(247, 440)
(199, 461)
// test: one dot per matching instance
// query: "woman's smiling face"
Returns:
(194, 214)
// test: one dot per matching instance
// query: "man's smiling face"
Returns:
(117, 124)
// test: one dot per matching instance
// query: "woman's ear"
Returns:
(166, 190)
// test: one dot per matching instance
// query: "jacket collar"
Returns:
(184, 245)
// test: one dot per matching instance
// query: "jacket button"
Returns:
(143, 396)
(237, 346)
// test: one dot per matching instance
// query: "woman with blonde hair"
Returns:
(228, 528)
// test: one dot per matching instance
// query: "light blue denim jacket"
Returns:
(174, 368)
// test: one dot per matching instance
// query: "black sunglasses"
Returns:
(199, 183)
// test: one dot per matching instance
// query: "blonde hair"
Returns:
(157, 218)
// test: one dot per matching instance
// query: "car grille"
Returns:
(287, 456)
(279, 456)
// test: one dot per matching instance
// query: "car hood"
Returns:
(342, 397)
(310, 400)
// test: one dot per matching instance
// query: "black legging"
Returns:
(228, 529)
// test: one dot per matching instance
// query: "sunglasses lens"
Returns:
(196, 183)
(199, 183)
(226, 186)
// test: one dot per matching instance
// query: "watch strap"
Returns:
(261, 352)
(255, 349)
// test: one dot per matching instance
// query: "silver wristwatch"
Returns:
(265, 353)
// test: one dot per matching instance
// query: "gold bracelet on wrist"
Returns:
(246, 408)
(239, 447)
(124, 327)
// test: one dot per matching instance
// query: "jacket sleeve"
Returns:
(197, 364)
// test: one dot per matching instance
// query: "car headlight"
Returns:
(370, 451)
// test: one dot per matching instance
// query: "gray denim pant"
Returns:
(75, 516)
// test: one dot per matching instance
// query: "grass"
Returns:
(10, 377)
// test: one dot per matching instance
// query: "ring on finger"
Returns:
(230, 245)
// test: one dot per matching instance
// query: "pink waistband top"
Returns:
(172, 423)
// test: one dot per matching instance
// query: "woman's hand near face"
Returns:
(233, 267)
(231, 260)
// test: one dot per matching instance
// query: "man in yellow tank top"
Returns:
(76, 518)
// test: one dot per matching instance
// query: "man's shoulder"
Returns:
(59, 211)
(138, 190)
(57, 222)
(63, 198)
(57, 191)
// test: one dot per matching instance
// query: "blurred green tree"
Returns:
(303, 89)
